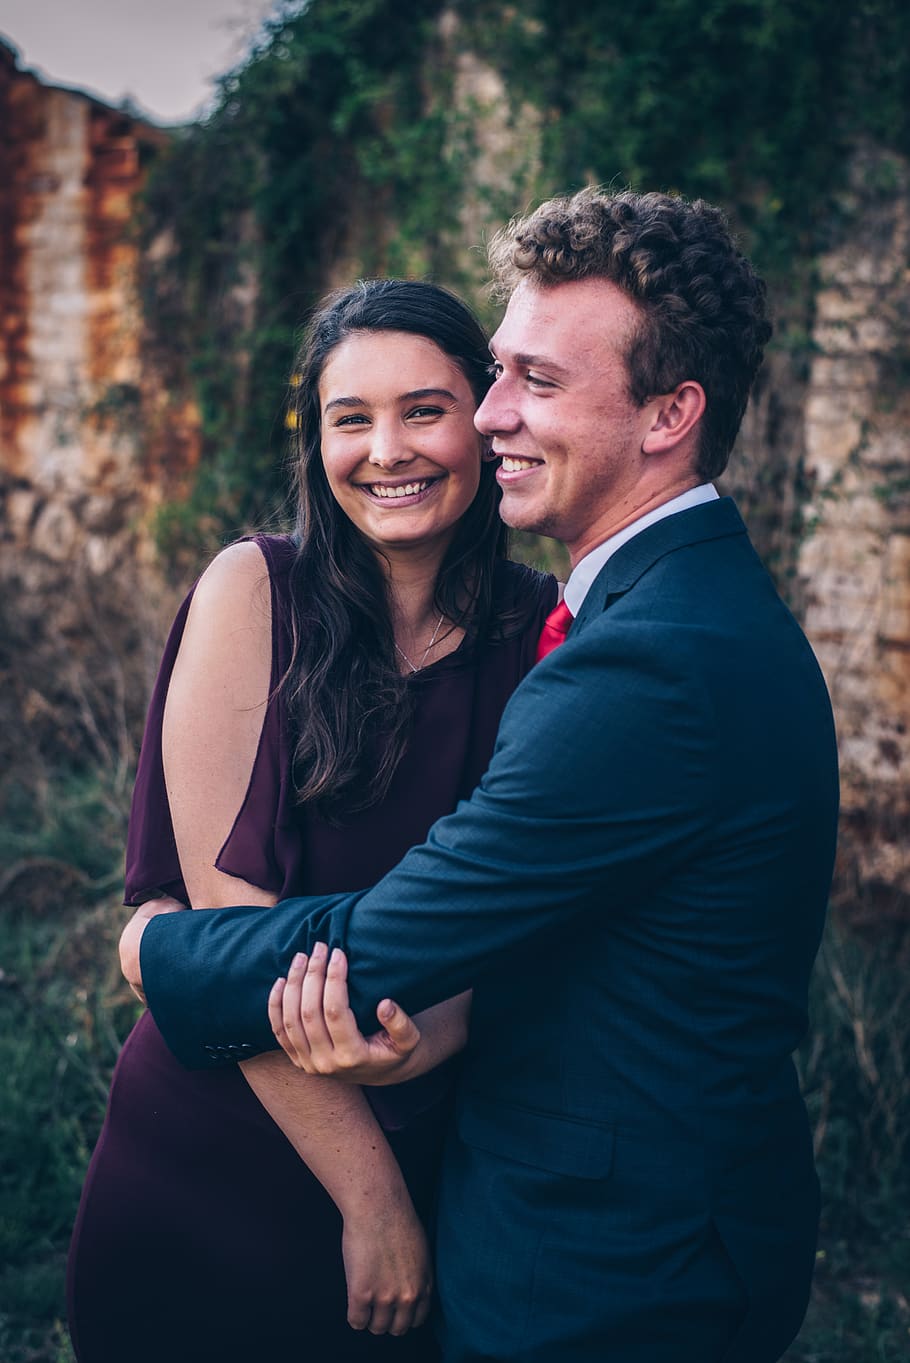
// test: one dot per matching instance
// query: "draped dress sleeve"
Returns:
(263, 845)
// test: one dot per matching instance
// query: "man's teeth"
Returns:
(512, 465)
(405, 490)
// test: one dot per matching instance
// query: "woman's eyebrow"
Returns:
(403, 397)
(428, 393)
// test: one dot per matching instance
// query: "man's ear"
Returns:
(674, 417)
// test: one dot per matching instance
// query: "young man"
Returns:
(636, 890)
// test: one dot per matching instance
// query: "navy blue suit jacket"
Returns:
(636, 893)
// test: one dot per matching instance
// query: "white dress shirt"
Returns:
(586, 569)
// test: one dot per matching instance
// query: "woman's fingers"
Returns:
(422, 1312)
(345, 1036)
(409, 1314)
(381, 1318)
(388, 1312)
(401, 1030)
(312, 1020)
(276, 1017)
(297, 1046)
(405, 1313)
(309, 1012)
(358, 1311)
(312, 1017)
(387, 1269)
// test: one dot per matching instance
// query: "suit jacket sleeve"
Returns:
(600, 783)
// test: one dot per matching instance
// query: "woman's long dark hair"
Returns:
(348, 703)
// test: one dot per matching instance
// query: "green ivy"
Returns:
(754, 104)
(338, 149)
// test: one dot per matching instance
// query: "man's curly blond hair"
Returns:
(701, 303)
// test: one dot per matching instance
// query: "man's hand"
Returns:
(314, 1025)
(132, 936)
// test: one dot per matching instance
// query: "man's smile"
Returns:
(513, 466)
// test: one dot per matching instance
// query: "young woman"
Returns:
(323, 698)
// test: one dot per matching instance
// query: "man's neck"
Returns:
(621, 517)
(585, 569)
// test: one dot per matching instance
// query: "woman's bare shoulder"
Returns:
(234, 588)
(238, 564)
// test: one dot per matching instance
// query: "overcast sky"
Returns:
(164, 54)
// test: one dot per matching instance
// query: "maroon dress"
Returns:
(201, 1234)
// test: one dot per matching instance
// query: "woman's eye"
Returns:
(355, 419)
(425, 411)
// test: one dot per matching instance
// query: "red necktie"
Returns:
(555, 629)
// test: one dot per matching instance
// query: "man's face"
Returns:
(568, 435)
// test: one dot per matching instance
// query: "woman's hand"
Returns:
(314, 1025)
(388, 1269)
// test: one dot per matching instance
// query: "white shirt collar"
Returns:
(586, 569)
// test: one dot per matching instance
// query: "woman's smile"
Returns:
(402, 494)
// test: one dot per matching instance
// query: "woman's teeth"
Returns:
(405, 490)
(512, 465)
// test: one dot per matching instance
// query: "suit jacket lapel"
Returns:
(710, 520)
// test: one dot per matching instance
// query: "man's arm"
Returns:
(599, 784)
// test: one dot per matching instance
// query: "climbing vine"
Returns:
(339, 148)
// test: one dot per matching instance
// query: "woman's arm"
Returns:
(213, 718)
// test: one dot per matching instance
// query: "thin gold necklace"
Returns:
(426, 650)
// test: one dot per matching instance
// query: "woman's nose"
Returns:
(388, 448)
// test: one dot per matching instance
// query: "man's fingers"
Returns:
(402, 1030)
(131, 938)
(164, 904)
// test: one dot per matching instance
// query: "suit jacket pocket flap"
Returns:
(562, 1145)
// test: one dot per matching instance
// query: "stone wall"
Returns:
(73, 384)
(89, 440)
(854, 559)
